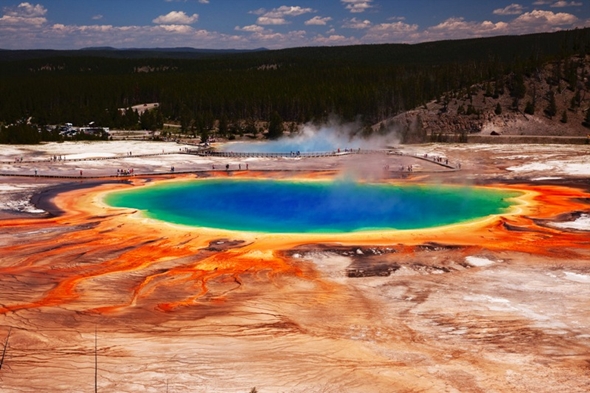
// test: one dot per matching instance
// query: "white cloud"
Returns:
(357, 6)
(355, 23)
(561, 4)
(274, 40)
(179, 29)
(28, 10)
(539, 21)
(284, 10)
(542, 2)
(259, 11)
(277, 16)
(536, 21)
(318, 21)
(176, 18)
(140, 36)
(250, 28)
(24, 14)
(265, 20)
(333, 40)
(512, 9)
(204, 1)
(389, 32)
(457, 28)
(97, 17)
(19, 20)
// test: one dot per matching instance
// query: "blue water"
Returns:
(308, 141)
(310, 207)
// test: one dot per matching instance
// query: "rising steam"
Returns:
(314, 139)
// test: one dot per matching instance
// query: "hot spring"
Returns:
(277, 206)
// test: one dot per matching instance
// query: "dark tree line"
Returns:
(370, 82)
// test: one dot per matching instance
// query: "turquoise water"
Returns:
(310, 207)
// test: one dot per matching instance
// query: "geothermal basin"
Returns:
(310, 206)
(96, 297)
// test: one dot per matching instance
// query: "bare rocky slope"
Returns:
(550, 102)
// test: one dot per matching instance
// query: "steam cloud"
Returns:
(314, 139)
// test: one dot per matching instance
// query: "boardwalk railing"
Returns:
(290, 154)
(210, 153)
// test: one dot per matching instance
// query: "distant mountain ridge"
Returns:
(173, 49)
(121, 53)
(504, 48)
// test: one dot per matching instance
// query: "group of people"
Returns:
(437, 159)
(125, 172)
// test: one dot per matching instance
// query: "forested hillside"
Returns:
(368, 83)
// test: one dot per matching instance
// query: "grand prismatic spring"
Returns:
(107, 298)
(307, 207)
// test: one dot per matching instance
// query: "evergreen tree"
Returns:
(488, 92)
(275, 126)
(564, 116)
(151, 120)
(576, 99)
(186, 118)
(204, 136)
(518, 89)
(498, 110)
(251, 127)
(556, 74)
(551, 109)
(529, 109)
(24, 134)
(223, 126)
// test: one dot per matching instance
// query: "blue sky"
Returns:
(273, 24)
